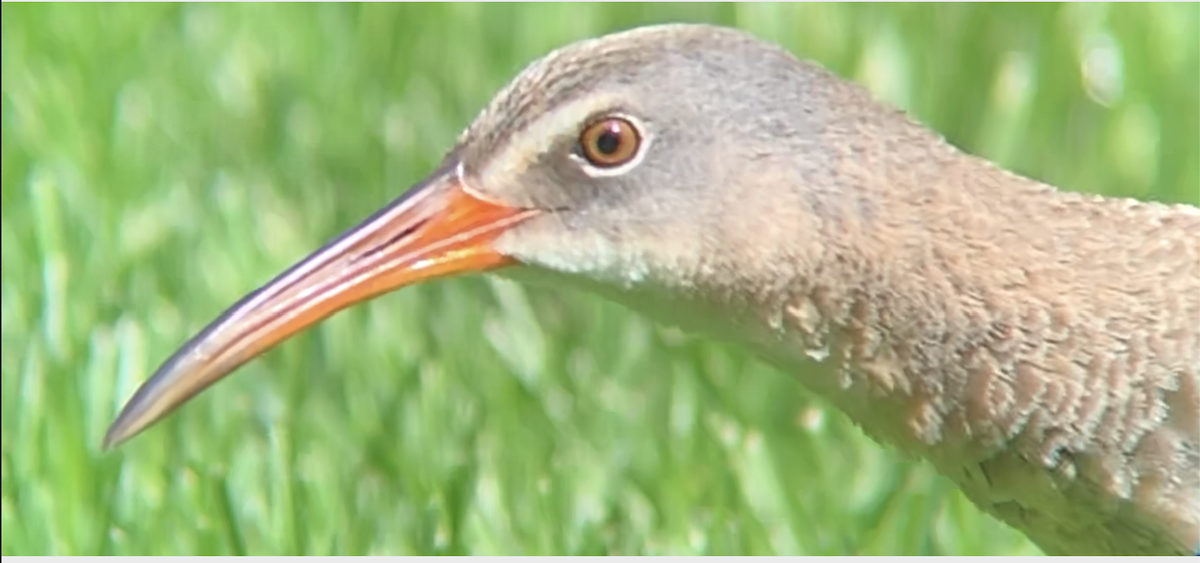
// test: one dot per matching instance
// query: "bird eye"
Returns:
(610, 142)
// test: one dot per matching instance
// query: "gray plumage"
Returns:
(1040, 348)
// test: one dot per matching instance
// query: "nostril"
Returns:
(404, 233)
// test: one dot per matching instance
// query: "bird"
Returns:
(1039, 347)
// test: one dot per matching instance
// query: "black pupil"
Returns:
(610, 140)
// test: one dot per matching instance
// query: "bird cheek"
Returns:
(528, 185)
(560, 244)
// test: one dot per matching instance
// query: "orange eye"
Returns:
(610, 142)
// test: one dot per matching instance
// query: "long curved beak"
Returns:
(436, 229)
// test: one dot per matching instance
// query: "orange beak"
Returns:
(434, 230)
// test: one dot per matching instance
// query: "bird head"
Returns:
(647, 162)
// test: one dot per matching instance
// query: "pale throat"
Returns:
(805, 331)
(665, 284)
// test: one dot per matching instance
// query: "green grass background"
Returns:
(159, 161)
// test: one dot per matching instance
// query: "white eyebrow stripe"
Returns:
(523, 147)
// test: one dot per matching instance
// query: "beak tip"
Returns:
(127, 425)
(114, 437)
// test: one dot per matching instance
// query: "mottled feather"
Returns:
(1041, 348)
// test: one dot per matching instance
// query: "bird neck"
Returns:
(961, 313)
(969, 319)
(996, 327)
